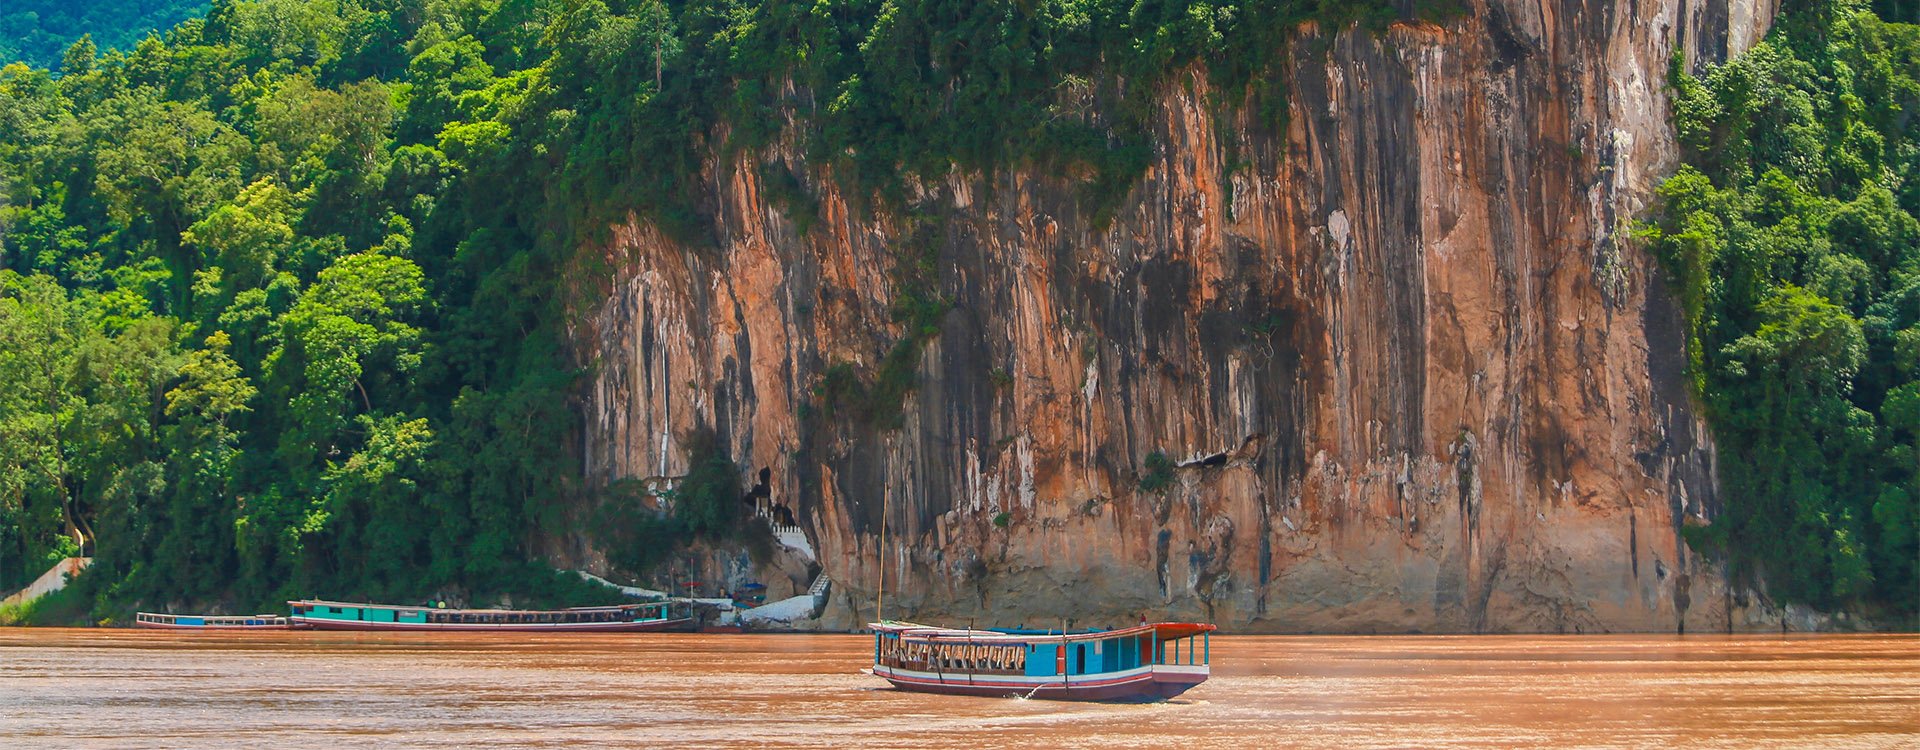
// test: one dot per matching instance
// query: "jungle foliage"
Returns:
(36, 32)
(285, 286)
(1791, 239)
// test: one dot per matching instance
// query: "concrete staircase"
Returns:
(790, 535)
(794, 539)
(633, 591)
(53, 580)
(791, 609)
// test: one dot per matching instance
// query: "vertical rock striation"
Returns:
(1411, 372)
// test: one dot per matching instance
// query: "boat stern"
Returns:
(1170, 680)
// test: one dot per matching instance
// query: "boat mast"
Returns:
(880, 590)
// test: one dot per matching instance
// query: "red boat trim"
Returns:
(1152, 684)
(1138, 674)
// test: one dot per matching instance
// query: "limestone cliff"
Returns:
(1413, 373)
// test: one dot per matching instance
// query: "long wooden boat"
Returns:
(329, 615)
(163, 621)
(1147, 662)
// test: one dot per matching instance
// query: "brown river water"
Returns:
(133, 689)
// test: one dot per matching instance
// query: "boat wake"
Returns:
(1030, 693)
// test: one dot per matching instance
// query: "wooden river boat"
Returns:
(161, 621)
(1147, 662)
(327, 615)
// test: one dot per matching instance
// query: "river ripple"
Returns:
(133, 689)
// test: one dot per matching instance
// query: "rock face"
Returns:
(1412, 372)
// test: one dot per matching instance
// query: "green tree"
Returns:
(1794, 261)
(356, 310)
(195, 534)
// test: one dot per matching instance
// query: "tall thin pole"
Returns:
(880, 590)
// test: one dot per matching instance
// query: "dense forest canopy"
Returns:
(1791, 235)
(282, 306)
(36, 32)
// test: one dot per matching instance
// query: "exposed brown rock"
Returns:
(1415, 374)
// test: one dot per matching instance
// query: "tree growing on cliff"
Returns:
(1798, 269)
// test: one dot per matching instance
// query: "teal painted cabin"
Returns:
(329, 615)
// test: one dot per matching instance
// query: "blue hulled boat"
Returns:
(1148, 662)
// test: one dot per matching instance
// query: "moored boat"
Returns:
(164, 621)
(329, 615)
(1146, 662)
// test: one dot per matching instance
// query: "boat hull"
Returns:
(1154, 683)
(321, 623)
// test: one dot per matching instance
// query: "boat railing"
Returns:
(1171, 653)
(954, 656)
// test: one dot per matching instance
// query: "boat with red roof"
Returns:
(1147, 662)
